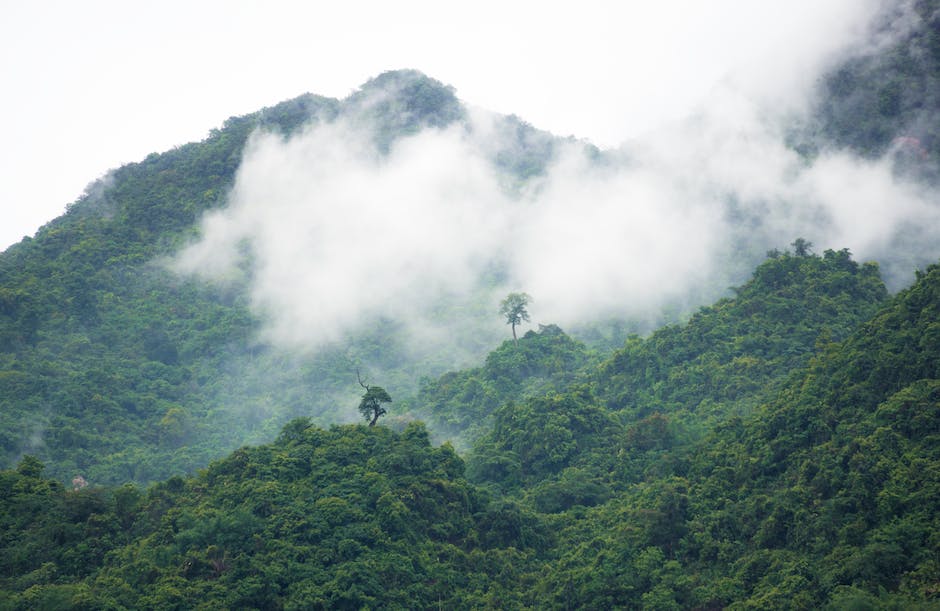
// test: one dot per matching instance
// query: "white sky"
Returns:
(88, 86)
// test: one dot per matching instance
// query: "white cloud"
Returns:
(342, 235)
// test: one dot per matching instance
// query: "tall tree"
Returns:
(371, 404)
(802, 247)
(513, 308)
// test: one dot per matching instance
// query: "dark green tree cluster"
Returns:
(350, 517)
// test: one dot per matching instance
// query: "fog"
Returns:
(339, 235)
(332, 233)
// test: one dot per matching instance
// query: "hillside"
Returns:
(887, 97)
(826, 494)
(119, 369)
(341, 518)
(655, 395)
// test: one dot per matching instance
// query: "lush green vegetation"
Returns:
(729, 355)
(459, 404)
(825, 495)
(825, 492)
(655, 394)
(350, 517)
(109, 362)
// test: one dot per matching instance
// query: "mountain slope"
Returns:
(733, 351)
(120, 370)
(825, 496)
(349, 517)
(889, 96)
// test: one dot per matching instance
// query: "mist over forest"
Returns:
(403, 189)
(398, 351)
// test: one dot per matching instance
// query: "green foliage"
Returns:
(347, 517)
(111, 367)
(729, 356)
(825, 494)
(371, 404)
(541, 437)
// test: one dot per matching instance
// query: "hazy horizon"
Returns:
(97, 85)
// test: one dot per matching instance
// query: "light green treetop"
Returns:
(513, 309)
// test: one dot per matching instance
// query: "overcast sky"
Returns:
(89, 86)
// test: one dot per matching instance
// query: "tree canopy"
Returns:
(603, 488)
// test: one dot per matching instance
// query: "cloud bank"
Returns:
(336, 235)
(333, 233)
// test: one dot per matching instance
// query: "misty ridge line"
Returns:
(339, 233)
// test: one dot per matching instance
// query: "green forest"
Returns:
(776, 448)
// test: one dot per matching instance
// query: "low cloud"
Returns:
(332, 233)
(340, 235)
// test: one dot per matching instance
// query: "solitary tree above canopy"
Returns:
(513, 308)
(802, 247)
(371, 404)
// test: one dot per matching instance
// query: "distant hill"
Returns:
(888, 97)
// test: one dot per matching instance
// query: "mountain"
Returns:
(181, 355)
(119, 369)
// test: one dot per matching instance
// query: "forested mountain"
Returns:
(825, 496)
(116, 368)
(178, 405)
